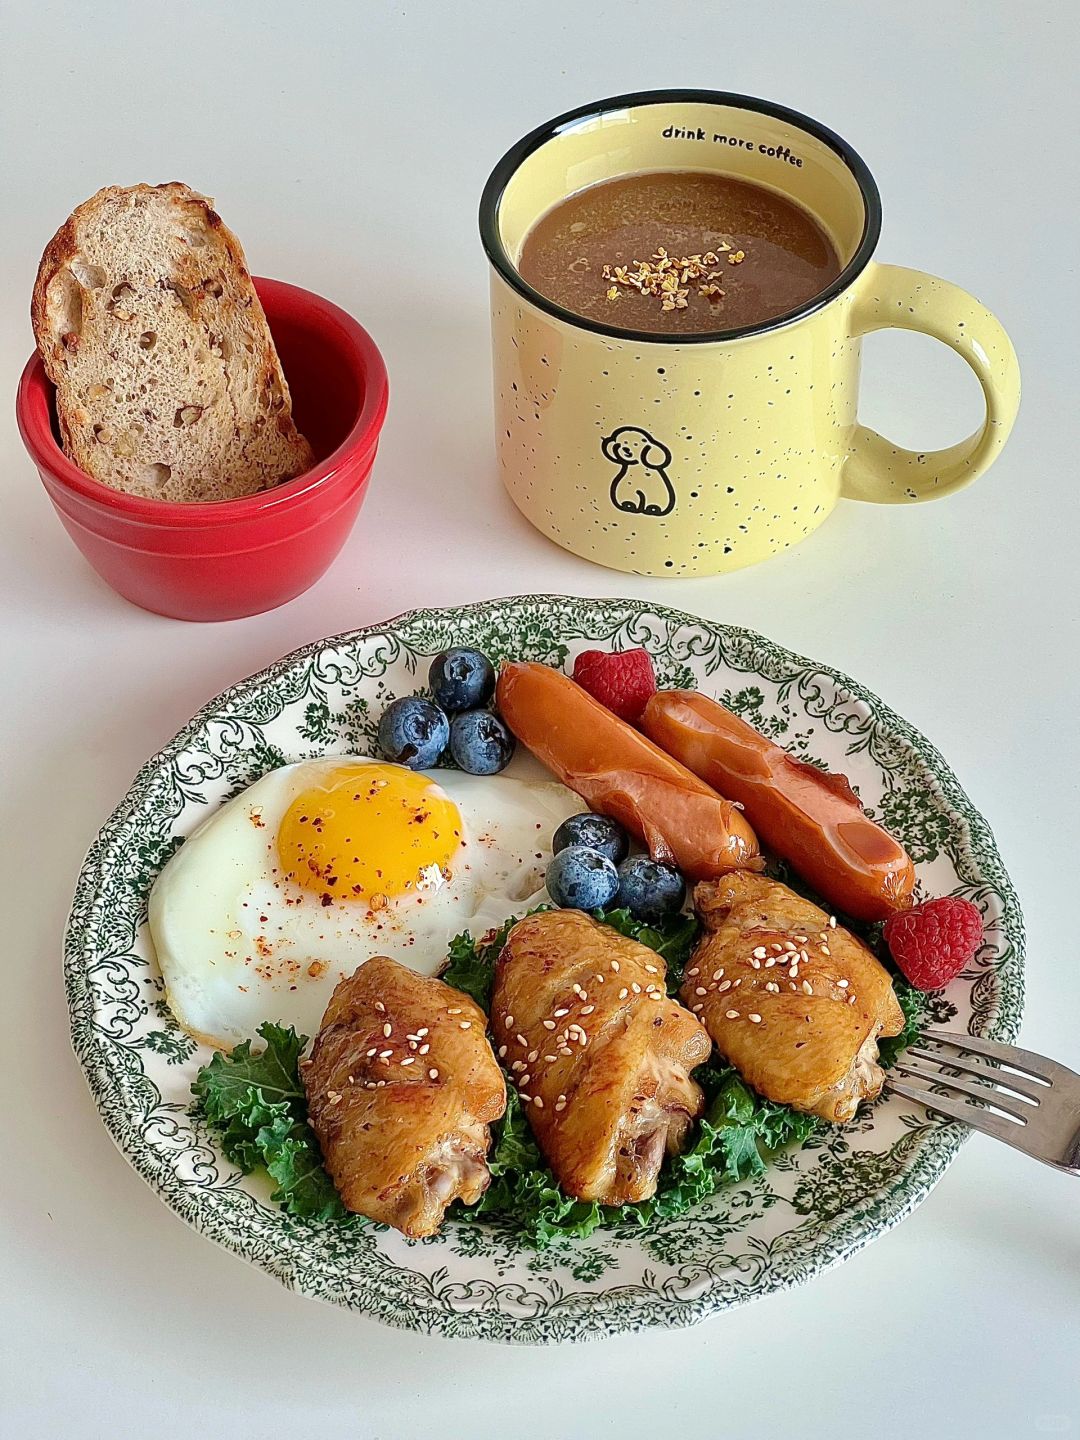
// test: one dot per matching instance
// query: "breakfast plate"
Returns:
(810, 1208)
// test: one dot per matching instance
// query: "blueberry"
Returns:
(596, 832)
(480, 742)
(413, 732)
(648, 890)
(461, 679)
(582, 879)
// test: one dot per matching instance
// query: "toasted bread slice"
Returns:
(167, 380)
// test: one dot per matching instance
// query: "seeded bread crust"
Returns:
(167, 381)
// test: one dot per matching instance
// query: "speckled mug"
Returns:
(696, 454)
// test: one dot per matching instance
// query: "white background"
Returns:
(347, 144)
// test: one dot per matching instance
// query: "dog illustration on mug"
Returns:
(641, 486)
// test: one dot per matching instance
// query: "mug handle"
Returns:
(893, 297)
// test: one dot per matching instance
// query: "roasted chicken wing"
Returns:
(402, 1085)
(600, 1054)
(791, 999)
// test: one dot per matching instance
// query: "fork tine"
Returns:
(973, 1115)
(1011, 1105)
(1026, 1060)
(1019, 1084)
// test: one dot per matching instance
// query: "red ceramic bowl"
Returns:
(225, 558)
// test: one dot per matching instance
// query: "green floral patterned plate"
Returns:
(809, 1210)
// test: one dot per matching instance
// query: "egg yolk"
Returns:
(369, 833)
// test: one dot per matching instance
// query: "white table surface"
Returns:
(347, 145)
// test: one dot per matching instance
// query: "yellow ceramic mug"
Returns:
(739, 442)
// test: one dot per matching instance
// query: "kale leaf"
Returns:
(257, 1102)
(913, 1004)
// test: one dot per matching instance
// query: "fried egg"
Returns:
(316, 867)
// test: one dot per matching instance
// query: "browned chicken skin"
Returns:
(402, 1085)
(600, 1054)
(791, 999)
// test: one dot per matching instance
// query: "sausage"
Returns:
(620, 773)
(810, 817)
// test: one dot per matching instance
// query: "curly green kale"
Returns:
(258, 1104)
(913, 1004)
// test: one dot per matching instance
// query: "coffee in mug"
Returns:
(718, 253)
(692, 408)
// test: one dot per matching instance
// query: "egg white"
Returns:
(238, 944)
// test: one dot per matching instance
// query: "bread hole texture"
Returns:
(89, 276)
(65, 302)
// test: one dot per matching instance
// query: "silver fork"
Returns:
(1017, 1096)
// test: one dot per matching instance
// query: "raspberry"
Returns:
(622, 681)
(932, 943)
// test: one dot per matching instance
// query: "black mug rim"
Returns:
(500, 177)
